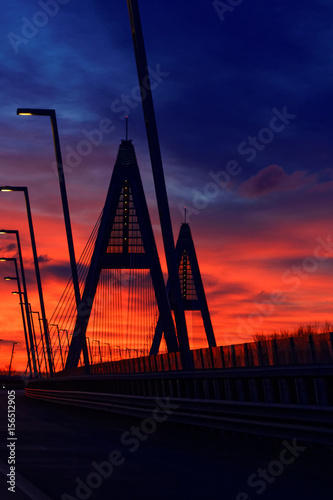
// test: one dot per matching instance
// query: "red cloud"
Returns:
(274, 178)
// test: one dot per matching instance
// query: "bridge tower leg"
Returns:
(159, 181)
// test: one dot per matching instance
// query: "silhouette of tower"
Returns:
(192, 289)
(125, 231)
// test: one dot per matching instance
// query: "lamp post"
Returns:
(99, 346)
(39, 283)
(35, 338)
(52, 114)
(41, 336)
(128, 350)
(32, 328)
(138, 350)
(7, 278)
(62, 359)
(66, 331)
(107, 343)
(11, 358)
(25, 295)
(118, 346)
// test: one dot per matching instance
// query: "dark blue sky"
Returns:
(220, 83)
(224, 77)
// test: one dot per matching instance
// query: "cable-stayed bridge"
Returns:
(119, 349)
(118, 338)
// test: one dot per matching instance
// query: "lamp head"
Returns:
(34, 112)
(7, 231)
(7, 189)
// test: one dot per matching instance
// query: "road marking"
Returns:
(24, 485)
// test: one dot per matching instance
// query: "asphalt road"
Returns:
(67, 453)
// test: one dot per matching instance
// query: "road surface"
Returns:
(65, 453)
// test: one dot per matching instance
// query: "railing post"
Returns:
(259, 350)
(176, 361)
(312, 349)
(233, 356)
(222, 356)
(331, 339)
(202, 359)
(246, 355)
(275, 352)
(292, 350)
(211, 357)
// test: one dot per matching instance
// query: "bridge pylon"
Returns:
(191, 285)
(125, 240)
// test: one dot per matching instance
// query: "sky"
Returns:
(243, 101)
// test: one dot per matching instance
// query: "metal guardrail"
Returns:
(277, 401)
(303, 384)
(290, 351)
(310, 424)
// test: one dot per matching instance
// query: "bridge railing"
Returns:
(308, 349)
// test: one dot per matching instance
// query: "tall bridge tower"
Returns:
(125, 240)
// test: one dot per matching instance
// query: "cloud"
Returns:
(273, 178)
(8, 248)
(44, 258)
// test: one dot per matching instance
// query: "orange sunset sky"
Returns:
(258, 277)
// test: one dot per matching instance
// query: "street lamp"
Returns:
(41, 336)
(138, 350)
(39, 283)
(11, 358)
(52, 114)
(107, 343)
(62, 360)
(128, 350)
(32, 327)
(25, 295)
(99, 346)
(66, 331)
(35, 339)
(118, 346)
(8, 278)
(31, 312)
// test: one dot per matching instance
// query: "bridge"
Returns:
(118, 342)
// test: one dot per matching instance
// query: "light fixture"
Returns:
(52, 114)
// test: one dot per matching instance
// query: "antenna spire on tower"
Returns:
(126, 128)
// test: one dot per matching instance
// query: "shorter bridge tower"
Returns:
(192, 289)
